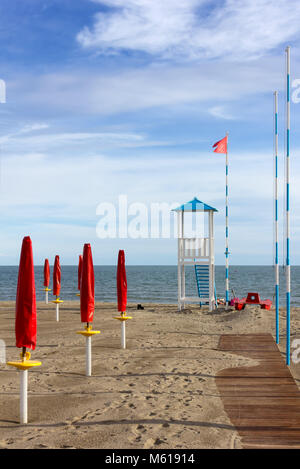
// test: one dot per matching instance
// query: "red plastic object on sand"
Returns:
(87, 288)
(121, 283)
(254, 299)
(25, 325)
(56, 277)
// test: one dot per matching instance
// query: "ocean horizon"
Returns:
(157, 284)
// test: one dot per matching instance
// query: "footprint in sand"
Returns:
(149, 443)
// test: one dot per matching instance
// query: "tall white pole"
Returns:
(88, 356)
(46, 297)
(57, 312)
(211, 275)
(23, 396)
(227, 231)
(123, 334)
(276, 213)
(288, 269)
(179, 234)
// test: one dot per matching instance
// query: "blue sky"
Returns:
(112, 97)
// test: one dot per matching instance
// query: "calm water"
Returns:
(157, 284)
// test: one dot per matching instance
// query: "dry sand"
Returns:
(158, 393)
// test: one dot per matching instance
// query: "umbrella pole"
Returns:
(88, 354)
(23, 396)
(88, 333)
(88, 367)
(24, 365)
(46, 297)
(23, 391)
(123, 318)
(123, 333)
(57, 311)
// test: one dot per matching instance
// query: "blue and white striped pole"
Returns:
(288, 267)
(226, 231)
(276, 213)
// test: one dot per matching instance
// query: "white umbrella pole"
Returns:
(123, 334)
(57, 312)
(46, 297)
(23, 396)
(88, 356)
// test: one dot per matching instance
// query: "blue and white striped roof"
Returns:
(195, 205)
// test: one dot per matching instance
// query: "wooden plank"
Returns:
(263, 401)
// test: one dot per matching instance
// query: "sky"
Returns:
(112, 97)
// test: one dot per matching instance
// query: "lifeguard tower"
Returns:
(198, 252)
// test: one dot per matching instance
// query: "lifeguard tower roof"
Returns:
(195, 205)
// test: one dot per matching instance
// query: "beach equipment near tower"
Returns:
(122, 296)
(46, 279)
(25, 322)
(222, 147)
(198, 250)
(87, 303)
(57, 285)
(79, 274)
(287, 212)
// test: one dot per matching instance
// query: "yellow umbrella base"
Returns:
(88, 333)
(26, 365)
(122, 318)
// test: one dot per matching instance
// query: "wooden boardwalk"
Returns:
(262, 402)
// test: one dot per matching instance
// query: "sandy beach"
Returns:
(158, 393)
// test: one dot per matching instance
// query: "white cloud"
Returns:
(157, 85)
(193, 28)
(33, 127)
(17, 140)
(55, 199)
(220, 112)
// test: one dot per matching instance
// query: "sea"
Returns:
(158, 284)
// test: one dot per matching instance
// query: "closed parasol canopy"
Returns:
(79, 271)
(25, 326)
(46, 273)
(121, 282)
(56, 277)
(87, 288)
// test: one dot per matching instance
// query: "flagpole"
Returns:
(287, 270)
(226, 231)
(276, 213)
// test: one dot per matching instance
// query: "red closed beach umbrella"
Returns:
(56, 277)
(87, 303)
(79, 271)
(87, 287)
(46, 273)
(121, 283)
(122, 296)
(25, 325)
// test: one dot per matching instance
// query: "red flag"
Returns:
(25, 325)
(56, 277)
(79, 271)
(46, 273)
(121, 282)
(221, 146)
(87, 287)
